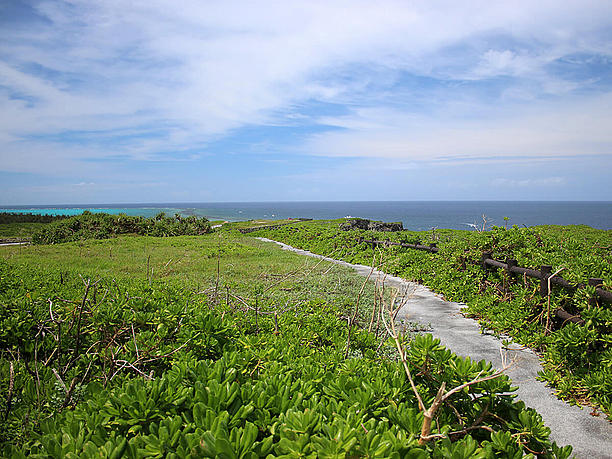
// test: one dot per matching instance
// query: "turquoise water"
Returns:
(134, 211)
(415, 215)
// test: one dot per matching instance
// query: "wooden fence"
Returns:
(433, 248)
(544, 274)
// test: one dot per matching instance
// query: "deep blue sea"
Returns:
(415, 215)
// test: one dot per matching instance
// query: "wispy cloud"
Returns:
(549, 129)
(90, 87)
(539, 182)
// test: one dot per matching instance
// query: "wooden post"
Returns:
(511, 262)
(594, 282)
(483, 258)
(545, 271)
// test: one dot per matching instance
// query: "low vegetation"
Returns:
(224, 346)
(577, 358)
(16, 227)
(103, 226)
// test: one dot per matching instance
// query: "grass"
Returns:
(247, 267)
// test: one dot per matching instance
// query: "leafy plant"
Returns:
(575, 356)
(103, 226)
(124, 367)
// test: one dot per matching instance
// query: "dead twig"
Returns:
(77, 346)
(159, 357)
(124, 364)
(352, 319)
(218, 269)
(135, 344)
(69, 393)
(442, 394)
(60, 380)
(9, 395)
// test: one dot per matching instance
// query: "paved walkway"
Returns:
(590, 436)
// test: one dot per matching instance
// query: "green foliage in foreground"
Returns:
(577, 359)
(131, 369)
(103, 226)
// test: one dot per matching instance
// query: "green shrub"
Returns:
(104, 226)
(575, 356)
(132, 369)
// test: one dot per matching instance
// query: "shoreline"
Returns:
(415, 215)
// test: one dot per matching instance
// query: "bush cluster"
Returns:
(103, 226)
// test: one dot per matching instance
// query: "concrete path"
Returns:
(590, 436)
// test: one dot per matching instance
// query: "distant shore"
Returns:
(415, 215)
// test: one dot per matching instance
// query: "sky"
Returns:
(110, 101)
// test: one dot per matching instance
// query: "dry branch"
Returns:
(442, 395)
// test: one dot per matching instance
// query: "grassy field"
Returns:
(239, 264)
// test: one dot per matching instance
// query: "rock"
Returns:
(382, 226)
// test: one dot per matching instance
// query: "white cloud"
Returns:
(530, 183)
(574, 127)
(186, 73)
(506, 62)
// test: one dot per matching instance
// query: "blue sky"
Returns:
(159, 101)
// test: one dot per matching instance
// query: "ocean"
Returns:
(415, 215)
